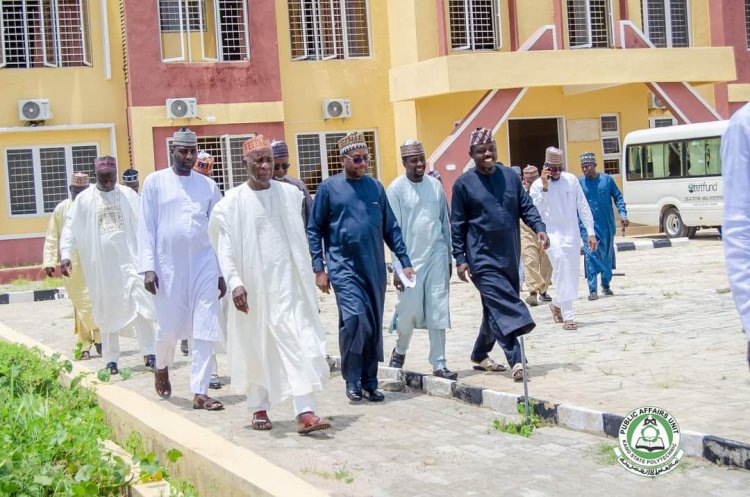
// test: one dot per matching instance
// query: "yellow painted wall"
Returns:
(533, 14)
(77, 95)
(305, 84)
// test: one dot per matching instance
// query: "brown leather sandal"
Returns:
(261, 421)
(161, 382)
(308, 422)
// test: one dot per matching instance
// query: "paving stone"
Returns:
(659, 341)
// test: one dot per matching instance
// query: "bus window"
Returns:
(703, 157)
(635, 162)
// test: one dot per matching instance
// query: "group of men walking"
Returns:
(159, 264)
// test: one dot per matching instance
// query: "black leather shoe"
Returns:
(184, 347)
(397, 360)
(354, 391)
(543, 297)
(149, 361)
(373, 395)
(606, 291)
(445, 373)
(112, 366)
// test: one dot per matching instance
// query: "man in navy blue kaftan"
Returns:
(487, 203)
(351, 217)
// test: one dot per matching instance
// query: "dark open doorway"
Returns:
(529, 138)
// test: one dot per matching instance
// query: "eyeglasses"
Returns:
(358, 159)
(285, 165)
(554, 168)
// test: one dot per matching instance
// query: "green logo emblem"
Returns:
(649, 442)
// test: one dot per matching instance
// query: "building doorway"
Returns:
(529, 138)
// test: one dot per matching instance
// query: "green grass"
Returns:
(603, 453)
(24, 284)
(524, 428)
(339, 473)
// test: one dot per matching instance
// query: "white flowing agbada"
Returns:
(735, 164)
(102, 226)
(421, 211)
(261, 245)
(560, 208)
(173, 242)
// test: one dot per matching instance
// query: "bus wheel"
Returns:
(672, 225)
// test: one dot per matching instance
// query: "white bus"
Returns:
(672, 177)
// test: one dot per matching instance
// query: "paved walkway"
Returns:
(418, 445)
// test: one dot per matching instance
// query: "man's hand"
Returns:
(151, 282)
(592, 243)
(222, 287)
(321, 281)
(463, 272)
(65, 267)
(410, 273)
(545, 177)
(543, 240)
(625, 223)
(239, 296)
(50, 271)
(397, 282)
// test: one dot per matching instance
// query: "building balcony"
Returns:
(585, 68)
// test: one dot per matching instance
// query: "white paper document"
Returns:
(400, 273)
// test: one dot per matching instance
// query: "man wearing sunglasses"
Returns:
(281, 169)
(561, 202)
(352, 216)
(488, 202)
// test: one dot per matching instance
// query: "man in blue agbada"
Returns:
(487, 203)
(351, 215)
(600, 189)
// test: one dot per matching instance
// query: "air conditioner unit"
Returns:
(34, 110)
(182, 108)
(655, 102)
(338, 108)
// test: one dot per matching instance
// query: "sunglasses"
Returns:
(358, 159)
(554, 168)
(285, 165)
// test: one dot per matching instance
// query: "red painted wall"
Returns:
(728, 29)
(272, 131)
(152, 81)
(22, 252)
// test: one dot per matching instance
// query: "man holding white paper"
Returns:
(421, 210)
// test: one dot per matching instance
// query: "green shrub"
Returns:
(51, 434)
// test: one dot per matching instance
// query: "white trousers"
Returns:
(257, 400)
(145, 331)
(200, 369)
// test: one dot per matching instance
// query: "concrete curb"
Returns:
(33, 296)
(211, 463)
(712, 448)
(651, 244)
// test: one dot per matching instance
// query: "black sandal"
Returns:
(112, 366)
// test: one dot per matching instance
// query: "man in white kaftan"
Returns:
(276, 343)
(558, 197)
(85, 328)
(180, 267)
(102, 226)
(421, 210)
(735, 164)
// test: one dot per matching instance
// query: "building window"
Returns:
(318, 156)
(38, 176)
(474, 25)
(588, 24)
(44, 33)
(329, 29)
(204, 30)
(610, 133)
(661, 122)
(226, 150)
(666, 22)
